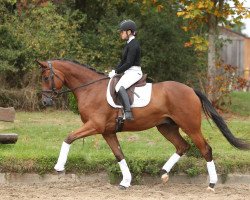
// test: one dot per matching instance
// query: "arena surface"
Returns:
(102, 190)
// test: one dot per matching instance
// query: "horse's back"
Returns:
(176, 95)
(174, 88)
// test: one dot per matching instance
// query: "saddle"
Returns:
(130, 90)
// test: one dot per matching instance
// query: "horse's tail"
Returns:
(220, 123)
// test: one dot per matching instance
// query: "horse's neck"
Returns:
(76, 76)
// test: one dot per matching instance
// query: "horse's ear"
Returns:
(41, 64)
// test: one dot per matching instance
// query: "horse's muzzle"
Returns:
(46, 101)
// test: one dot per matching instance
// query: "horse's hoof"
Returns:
(121, 187)
(164, 178)
(59, 171)
(209, 189)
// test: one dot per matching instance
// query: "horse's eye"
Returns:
(46, 78)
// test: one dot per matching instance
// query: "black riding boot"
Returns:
(123, 97)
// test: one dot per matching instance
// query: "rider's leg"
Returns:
(123, 96)
(129, 78)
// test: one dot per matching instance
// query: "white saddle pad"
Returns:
(141, 99)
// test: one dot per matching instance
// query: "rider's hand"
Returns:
(112, 74)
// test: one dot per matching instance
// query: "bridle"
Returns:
(53, 91)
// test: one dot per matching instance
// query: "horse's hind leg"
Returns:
(171, 133)
(206, 152)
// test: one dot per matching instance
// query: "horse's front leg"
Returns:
(113, 143)
(86, 130)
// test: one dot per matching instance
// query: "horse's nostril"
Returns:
(47, 102)
(44, 103)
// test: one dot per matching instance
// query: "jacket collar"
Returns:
(130, 38)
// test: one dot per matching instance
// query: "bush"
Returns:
(39, 32)
(73, 103)
(25, 98)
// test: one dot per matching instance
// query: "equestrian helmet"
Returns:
(126, 25)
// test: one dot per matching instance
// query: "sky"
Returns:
(247, 21)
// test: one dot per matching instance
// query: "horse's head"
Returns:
(52, 82)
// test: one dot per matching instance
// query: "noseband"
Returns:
(54, 92)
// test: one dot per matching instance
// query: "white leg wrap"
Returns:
(171, 162)
(212, 172)
(62, 157)
(126, 180)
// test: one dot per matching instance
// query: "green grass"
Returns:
(240, 103)
(41, 135)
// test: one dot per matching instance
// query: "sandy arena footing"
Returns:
(97, 187)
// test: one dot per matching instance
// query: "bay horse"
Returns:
(173, 106)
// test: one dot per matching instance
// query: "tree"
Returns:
(86, 31)
(159, 33)
(205, 16)
(37, 32)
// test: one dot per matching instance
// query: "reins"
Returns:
(81, 86)
(57, 93)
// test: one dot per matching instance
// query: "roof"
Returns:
(234, 32)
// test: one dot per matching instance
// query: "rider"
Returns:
(129, 65)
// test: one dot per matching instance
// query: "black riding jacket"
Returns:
(131, 56)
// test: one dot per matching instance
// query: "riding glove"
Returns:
(112, 74)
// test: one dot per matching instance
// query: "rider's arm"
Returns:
(131, 55)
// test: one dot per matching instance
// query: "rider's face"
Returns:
(125, 34)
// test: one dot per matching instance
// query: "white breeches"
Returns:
(131, 76)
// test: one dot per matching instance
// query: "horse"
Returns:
(173, 106)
